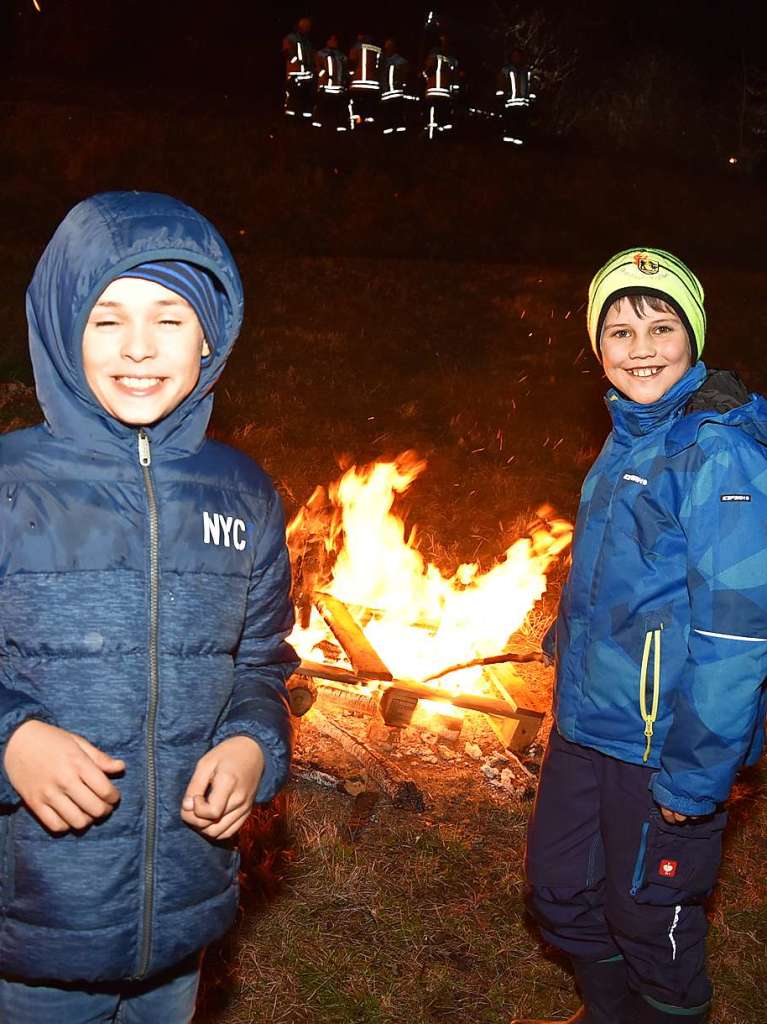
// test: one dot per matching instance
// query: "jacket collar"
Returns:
(632, 419)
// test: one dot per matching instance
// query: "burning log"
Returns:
(402, 792)
(358, 703)
(364, 658)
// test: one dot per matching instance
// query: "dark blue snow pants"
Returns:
(606, 876)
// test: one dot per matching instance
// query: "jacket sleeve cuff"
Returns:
(276, 759)
(681, 804)
(26, 711)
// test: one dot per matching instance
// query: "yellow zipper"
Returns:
(652, 639)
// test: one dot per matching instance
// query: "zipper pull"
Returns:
(144, 454)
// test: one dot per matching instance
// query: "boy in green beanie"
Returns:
(661, 651)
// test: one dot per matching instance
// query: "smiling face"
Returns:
(644, 355)
(142, 347)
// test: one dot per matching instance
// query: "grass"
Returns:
(447, 318)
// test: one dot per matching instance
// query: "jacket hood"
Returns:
(751, 418)
(97, 241)
(724, 400)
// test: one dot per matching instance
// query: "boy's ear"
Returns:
(205, 348)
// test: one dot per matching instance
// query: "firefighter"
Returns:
(299, 71)
(443, 83)
(515, 93)
(332, 110)
(395, 97)
(365, 79)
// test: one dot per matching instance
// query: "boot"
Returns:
(656, 1013)
(605, 991)
(606, 995)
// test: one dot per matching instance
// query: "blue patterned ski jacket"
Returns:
(143, 606)
(661, 636)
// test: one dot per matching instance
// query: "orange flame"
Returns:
(422, 621)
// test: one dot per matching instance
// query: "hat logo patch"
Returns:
(646, 264)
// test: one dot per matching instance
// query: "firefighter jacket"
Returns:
(661, 637)
(442, 76)
(330, 71)
(365, 68)
(144, 605)
(299, 57)
(394, 77)
(515, 86)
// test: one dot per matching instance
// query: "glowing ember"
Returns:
(422, 621)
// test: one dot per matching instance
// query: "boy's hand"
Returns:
(61, 777)
(674, 818)
(219, 797)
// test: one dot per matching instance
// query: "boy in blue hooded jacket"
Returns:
(661, 656)
(144, 602)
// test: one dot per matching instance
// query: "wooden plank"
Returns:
(519, 731)
(505, 708)
(364, 658)
(318, 670)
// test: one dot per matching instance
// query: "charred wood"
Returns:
(402, 792)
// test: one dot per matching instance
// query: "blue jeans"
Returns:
(167, 1000)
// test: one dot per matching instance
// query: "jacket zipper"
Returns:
(651, 641)
(145, 461)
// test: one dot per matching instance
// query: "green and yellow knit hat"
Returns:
(648, 272)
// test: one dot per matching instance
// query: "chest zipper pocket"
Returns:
(649, 715)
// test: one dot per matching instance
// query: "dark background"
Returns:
(234, 46)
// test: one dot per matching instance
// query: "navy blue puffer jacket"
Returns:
(143, 606)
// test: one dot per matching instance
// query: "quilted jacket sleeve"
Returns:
(16, 708)
(720, 704)
(264, 661)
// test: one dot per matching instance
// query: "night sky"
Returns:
(234, 46)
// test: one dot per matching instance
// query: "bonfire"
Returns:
(372, 609)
